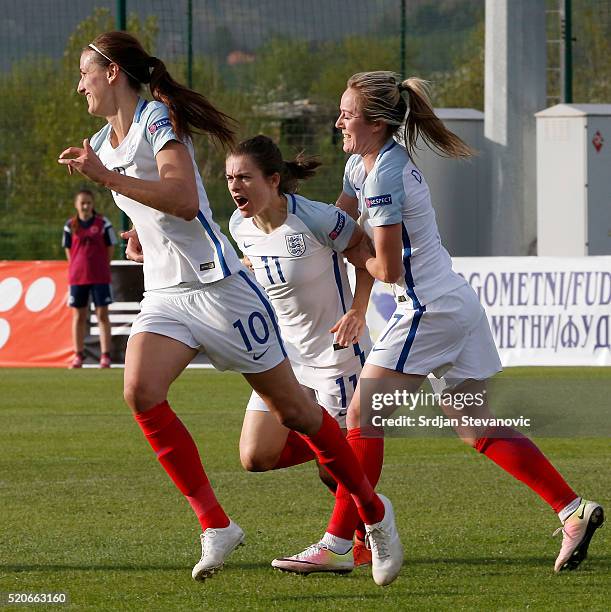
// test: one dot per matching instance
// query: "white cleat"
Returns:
(577, 532)
(217, 545)
(316, 558)
(385, 544)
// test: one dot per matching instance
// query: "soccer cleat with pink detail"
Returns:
(577, 532)
(316, 558)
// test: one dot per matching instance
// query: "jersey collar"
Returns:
(140, 105)
(291, 202)
(291, 206)
(139, 108)
(388, 145)
(87, 224)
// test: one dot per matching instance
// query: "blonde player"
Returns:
(439, 325)
(294, 246)
(197, 297)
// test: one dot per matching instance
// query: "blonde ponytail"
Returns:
(384, 97)
(422, 122)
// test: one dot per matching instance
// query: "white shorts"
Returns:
(450, 338)
(231, 321)
(332, 388)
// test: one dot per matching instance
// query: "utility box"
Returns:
(459, 189)
(574, 180)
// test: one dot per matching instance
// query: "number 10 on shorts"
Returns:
(257, 329)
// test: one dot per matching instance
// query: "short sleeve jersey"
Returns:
(305, 277)
(395, 192)
(89, 250)
(175, 250)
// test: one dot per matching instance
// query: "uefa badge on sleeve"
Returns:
(295, 243)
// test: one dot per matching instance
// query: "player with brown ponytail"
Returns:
(198, 297)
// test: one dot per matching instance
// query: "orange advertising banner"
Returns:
(35, 322)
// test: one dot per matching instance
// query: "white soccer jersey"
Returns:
(176, 250)
(304, 276)
(395, 192)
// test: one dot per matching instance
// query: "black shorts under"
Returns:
(79, 295)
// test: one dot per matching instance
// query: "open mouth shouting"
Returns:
(241, 201)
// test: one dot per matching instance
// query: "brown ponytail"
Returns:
(300, 169)
(268, 158)
(189, 111)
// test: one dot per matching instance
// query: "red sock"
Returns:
(295, 451)
(332, 488)
(178, 455)
(520, 457)
(359, 532)
(334, 453)
(370, 453)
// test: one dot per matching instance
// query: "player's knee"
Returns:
(256, 462)
(286, 409)
(292, 417)
(472, 442)
(353, 418)
(130, 395)
(140, 397)
(470, 438)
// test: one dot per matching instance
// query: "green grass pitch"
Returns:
(86, 509)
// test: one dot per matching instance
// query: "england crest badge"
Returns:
(295, 243)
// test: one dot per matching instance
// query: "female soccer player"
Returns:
(439, 325)
(197, 295)
(293, 245)
(89, 242)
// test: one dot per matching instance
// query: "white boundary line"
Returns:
(121, 366)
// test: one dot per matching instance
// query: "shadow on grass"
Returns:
(84, 567)
(598, 561)
(331, 597)
(593, 564)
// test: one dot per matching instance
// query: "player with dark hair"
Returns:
(294, 246)
(198, 297)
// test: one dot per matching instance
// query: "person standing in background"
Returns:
(89, 241)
